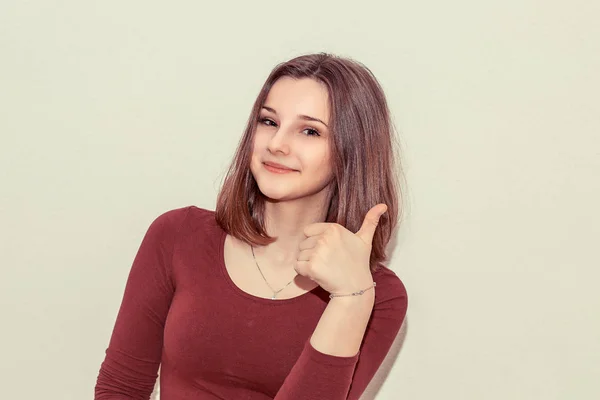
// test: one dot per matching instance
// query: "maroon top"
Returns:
(182, 311)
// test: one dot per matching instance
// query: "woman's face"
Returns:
(292, 131)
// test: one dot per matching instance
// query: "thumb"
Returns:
(367, 229)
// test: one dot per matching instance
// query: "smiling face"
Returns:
(292, 131)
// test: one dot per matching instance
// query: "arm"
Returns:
(342, 325)
(133, 356)
(330, 366)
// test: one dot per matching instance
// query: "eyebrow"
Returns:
(301, 116)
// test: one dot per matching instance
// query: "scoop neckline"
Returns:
(239, 291)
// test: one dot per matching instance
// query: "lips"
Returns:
(279, 166)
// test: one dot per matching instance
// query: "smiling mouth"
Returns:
(277, 170)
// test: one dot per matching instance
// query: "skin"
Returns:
(299, 198)
(325, 253)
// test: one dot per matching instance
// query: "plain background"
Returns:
(113, 112)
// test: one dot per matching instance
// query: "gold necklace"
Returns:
(275, 292)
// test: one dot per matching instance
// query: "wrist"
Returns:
(367, 299)
(359, 292)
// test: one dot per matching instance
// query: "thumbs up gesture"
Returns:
(336, 258)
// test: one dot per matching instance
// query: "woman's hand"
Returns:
(336, 258)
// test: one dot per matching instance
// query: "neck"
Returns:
(286, 220)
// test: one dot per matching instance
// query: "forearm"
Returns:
(342, 326)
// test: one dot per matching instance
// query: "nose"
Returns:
(279, 142)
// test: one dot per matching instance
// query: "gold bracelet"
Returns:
(360, 292)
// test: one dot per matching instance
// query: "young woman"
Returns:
(280, 293)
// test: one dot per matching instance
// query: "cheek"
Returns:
(321, 162)
(257, 146)
(260, 141)
(325, 157)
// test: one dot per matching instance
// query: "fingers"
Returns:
(308, 243)
(304, 255)
(367, 230)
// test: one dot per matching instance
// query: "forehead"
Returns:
(290, 97)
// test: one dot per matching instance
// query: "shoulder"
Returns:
(184, 213)
(390, 290)
(174, 221)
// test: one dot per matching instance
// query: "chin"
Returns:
(275, 194)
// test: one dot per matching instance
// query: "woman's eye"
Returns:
(268, 122)
(307, 131)
(311, 132)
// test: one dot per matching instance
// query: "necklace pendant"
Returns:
(273, 297)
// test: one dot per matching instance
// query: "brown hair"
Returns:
(364, 155)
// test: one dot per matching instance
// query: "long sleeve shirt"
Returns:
(182, 312)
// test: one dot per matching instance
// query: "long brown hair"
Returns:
(365, 155)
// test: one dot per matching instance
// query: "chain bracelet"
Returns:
(360, 292)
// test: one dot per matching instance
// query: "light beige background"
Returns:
(113, 112)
